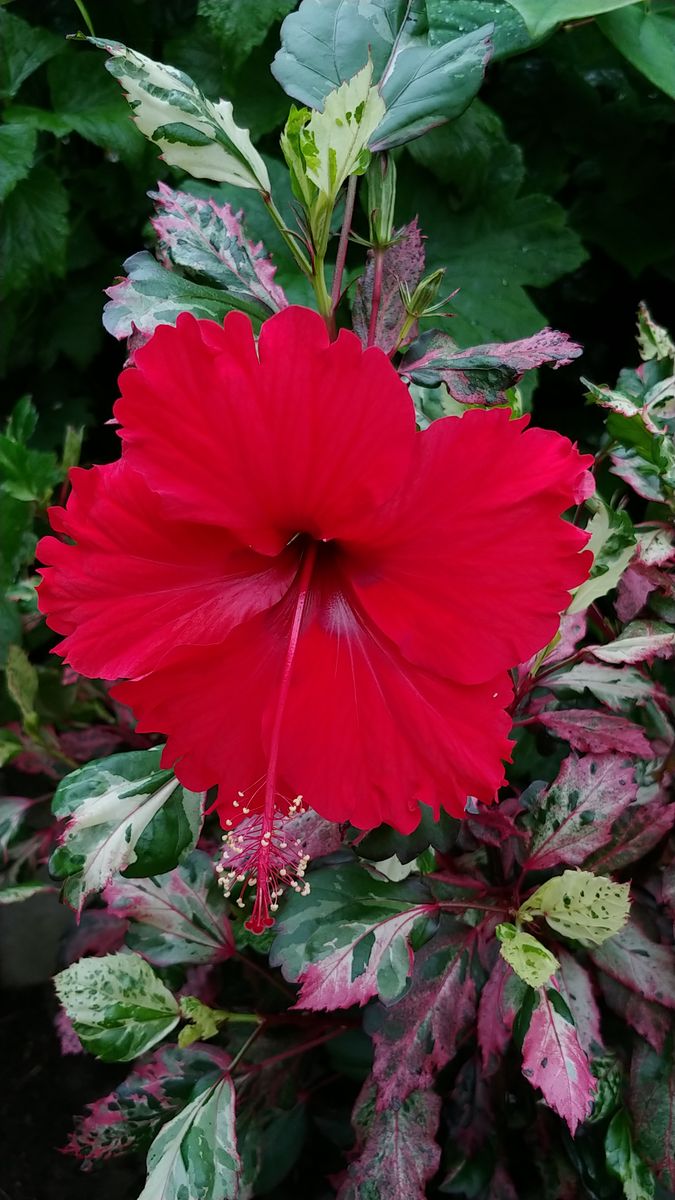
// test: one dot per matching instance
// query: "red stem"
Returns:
(294, 1051)
(341, 258)
(378, 259)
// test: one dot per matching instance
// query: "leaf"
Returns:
(450, 18)
(640, 641)
(576, 988)
(574, 816)
(647, 39)
(653, 340)
(179, 917)
(614, 686)
(580, 905)
(483, 374)
(612, 544)
(12, 812)
(336, 140)
(641, 965)
(24, 48)
(622, 1160)
(651, 1100)
(22, 684)
(123, 813)
(31, 247)
(192, 132)
(323, 44)
(195, 1154)
(203, 1021)
(17, 148)
(152, 296)
(89, 104)
(554, 1061)
(118, 1006)
(349, 939)
(542, 16)
(402, 263)
(650, 1020)
(420, 1034)
(207, 243)
(27, 474)
(636, 830)
(499, 1004)
(158, 1087)
(396, 1152)
(22, 891)
(526, 956)
(587, 729)
(240, 26)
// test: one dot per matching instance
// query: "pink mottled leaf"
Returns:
(576, 988)
(349, 939)
(636, 830)
(160, 1085)
(574, 816)
(498, 1007)
(639, 964)
(650, 1020)
(98, 933)
(403, 262)
(641, 641)
(179, 917)
(617, 687)
(396, 1153)
(482, 374)
(318, 836)
(651, 1100)
(68, 1039)
(588, 729)
(207, 242)
(421, 1033)
(554, 1061)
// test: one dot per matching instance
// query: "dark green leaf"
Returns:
(33, 230)
(17, 147)
(449, 19)
(647, 38)
(622, 1160)
(88, 102)
(23, 48)
(239, 26)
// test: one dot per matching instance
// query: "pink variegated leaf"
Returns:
(402, 263)
(207, 242)
(396, 1153)
(574, 816)
(617, 687)
(651, 1102)
(588, 729)
(576, 988)
(500, 1001)
(160, 1085)
(349, 939)
(640, 964)
(641, 641)
(554, 1061)
(65, 1032)
(482, 374)
(637, 830)
(318, 837)
(179, 917)
(98, 933)
(650, 1020)
(420, 1034)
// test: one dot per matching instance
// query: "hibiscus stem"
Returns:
(343, 243)
(378, 259)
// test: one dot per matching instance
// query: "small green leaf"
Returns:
(653, 340)
(612, 545)
(22, 683)
(526, 956)
(23, 891)
(204, 1022)
(194, 1156)
(166, 101)
(118, 1006)
(580, 905)
(624, 1162)
(336, 140)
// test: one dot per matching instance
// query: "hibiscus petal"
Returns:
(469, 567)
(138, 582)
(365, 735)
(303, 439)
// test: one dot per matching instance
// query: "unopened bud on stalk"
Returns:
(381, 184)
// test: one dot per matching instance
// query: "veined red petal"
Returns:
(469, 566)
(303, 437)
(138, 583)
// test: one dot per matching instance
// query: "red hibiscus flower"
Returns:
(307, 595)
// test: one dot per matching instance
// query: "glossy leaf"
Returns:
(179, 917)
(580, 905)
(450, 18)
(118, 1006)
(554, 1061)
(574, 816)
(349, 939)
(122, 813)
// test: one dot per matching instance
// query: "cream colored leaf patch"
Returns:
(577, 904)
(335, 141)
(526, 956)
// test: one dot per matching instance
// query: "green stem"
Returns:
(323, 299)
(298, 254)
(249, 1042)
(82, 9)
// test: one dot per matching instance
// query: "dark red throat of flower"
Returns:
(258, 853)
